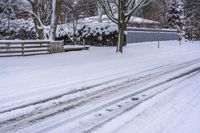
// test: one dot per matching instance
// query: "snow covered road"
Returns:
(69, 92)
(175, 111)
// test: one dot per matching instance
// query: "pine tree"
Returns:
(175, 15)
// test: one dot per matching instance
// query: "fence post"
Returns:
(84, 44)
(49, 48)
(158, 34)
(180, 40)
(8, 47)
(22, 49)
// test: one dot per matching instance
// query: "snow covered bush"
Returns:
(17, 29)
(94, 33)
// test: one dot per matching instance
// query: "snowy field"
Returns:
(146, 89)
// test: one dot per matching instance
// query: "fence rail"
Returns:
(24, 48)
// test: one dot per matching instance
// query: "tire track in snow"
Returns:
(99, 76)
(133, 96)
(85, 88)
(31, 118)
(103, 122)
(76, 101)
(8, 109)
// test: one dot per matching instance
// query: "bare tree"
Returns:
(157, 11)
(74, 12)
(192, 16)
(77, 9)
(120, 12)
(39, 26)
(44, 13)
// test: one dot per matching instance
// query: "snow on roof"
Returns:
(142, 20)
(133, 19)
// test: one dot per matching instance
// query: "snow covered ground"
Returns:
(91, 90)
(175, 111)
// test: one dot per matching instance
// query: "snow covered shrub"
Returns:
(17, 29)
(98, 34)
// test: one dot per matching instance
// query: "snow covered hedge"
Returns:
(98, 29)
(17, 29)
(93, 33)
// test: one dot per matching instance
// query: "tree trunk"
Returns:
(40, 33)
(121, 29)
(99, 14)
(56, 6)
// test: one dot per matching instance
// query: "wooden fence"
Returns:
(28, 47)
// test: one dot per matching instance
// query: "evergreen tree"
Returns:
(175, 15)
